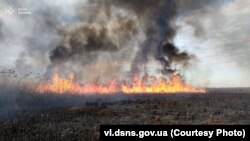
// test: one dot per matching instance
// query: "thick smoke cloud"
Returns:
(100, 39)
(111, 26)
(99, 43)
(107, 38)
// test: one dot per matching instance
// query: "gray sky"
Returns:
(218, 35)
(222, 45)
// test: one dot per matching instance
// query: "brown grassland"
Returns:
(81, 121)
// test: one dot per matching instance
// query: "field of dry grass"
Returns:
(81, 122)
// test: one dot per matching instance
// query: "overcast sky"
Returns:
(218, 35)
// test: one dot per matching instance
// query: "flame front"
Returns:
(148, 85)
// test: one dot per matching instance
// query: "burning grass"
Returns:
(147, 84)
(22, 92)
(27, 115)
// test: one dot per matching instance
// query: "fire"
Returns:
(148, 85)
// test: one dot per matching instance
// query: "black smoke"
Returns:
(105, 37)
(97, 35)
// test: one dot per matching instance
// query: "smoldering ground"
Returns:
(98, 40)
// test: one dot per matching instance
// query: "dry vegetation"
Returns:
(28, 116)
(82, 122)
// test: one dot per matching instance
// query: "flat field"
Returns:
(50, 117)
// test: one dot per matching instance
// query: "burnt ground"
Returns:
(219, 106)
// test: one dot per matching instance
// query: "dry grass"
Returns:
(29, 116)
(82, 122)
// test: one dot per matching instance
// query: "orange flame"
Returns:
(145, 85)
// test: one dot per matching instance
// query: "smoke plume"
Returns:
(113, 33)
(101, 39)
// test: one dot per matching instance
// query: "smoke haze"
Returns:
(102, 39)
